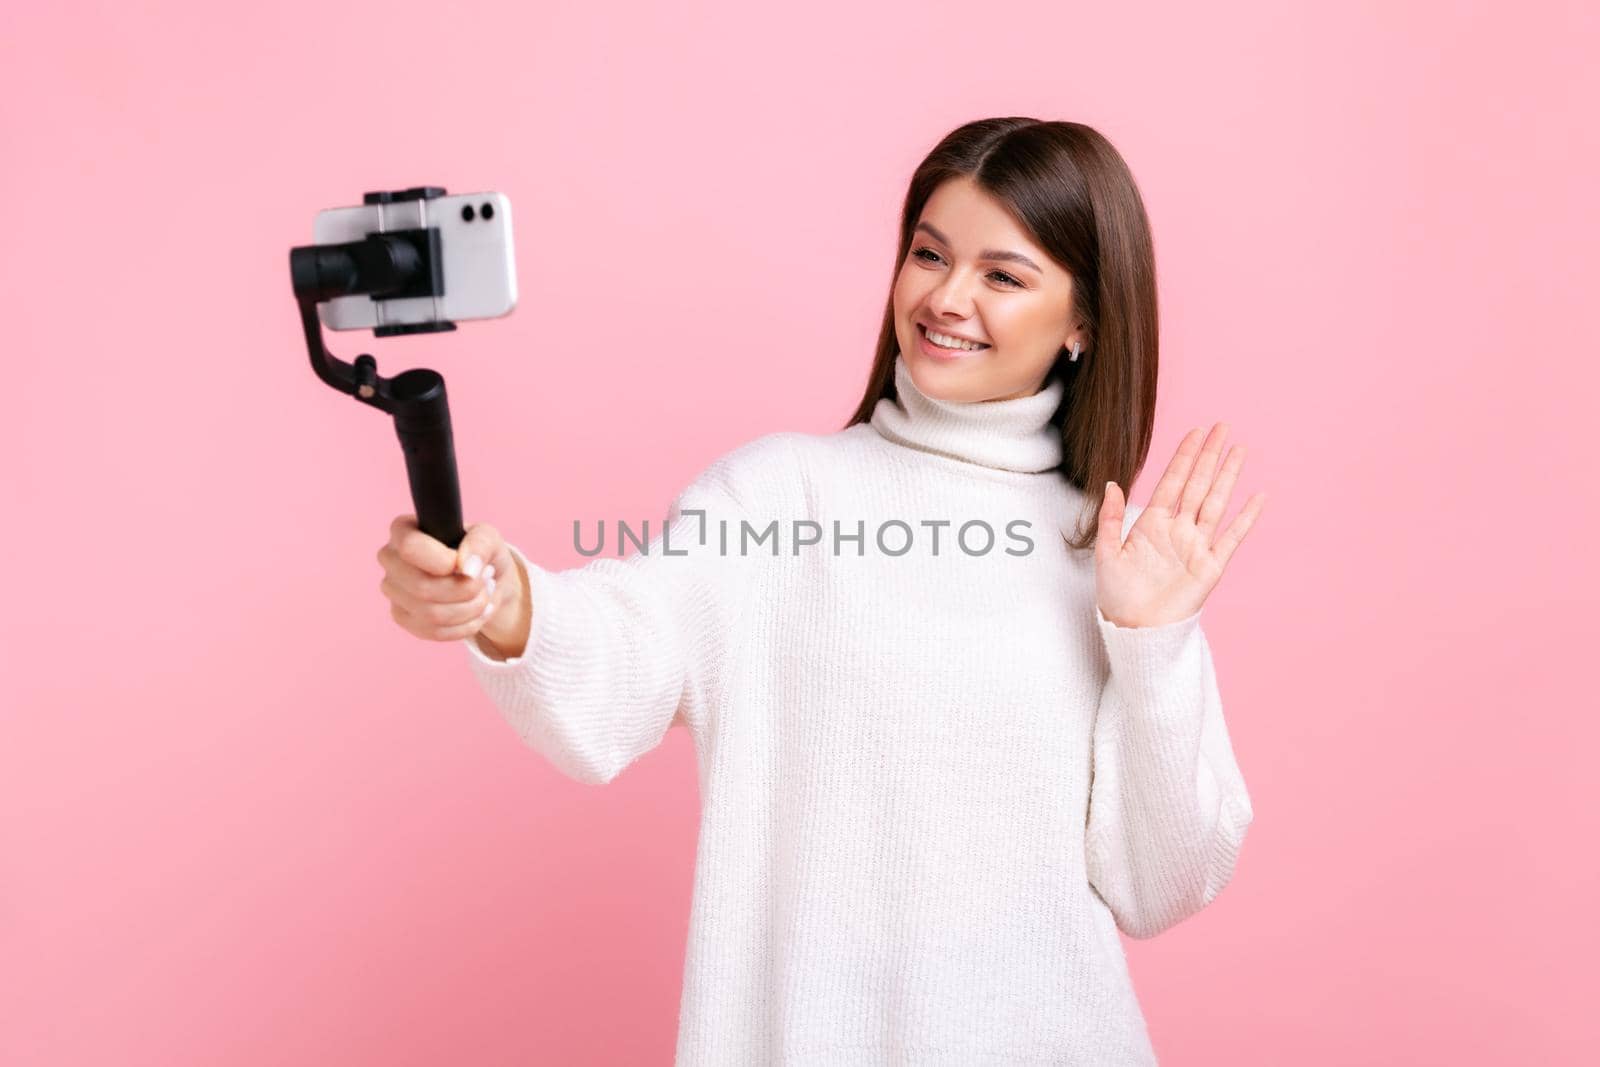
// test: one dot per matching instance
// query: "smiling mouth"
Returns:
(923, 331)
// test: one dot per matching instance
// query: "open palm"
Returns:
(1172, 558)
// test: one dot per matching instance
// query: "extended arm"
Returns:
(619, 650)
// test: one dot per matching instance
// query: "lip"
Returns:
(947, 333)
(946, 355)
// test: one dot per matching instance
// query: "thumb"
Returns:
(1109, 539)
(480, 545)
(419, 548)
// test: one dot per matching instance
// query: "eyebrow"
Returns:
(987, 253)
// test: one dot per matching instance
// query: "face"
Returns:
(959, 278)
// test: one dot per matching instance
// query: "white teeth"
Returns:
(946, 341)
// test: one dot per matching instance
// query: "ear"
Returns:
(1075, 333)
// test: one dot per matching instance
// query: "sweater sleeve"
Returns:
(1168, 807)
(622, 649)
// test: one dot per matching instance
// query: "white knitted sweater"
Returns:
(935, 780)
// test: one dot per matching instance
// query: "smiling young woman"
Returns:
(935, 782)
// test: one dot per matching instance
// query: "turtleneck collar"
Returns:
(1008, 435)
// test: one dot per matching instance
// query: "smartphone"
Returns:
(479, 265)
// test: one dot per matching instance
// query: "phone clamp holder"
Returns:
(390, 266)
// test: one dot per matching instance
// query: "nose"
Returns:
(952, 297)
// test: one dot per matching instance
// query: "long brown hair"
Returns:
(1073, 193)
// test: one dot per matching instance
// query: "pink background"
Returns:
(246, 819)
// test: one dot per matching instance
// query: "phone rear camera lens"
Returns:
(488, 211)
(466, 213)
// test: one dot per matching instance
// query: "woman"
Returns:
(949, 741)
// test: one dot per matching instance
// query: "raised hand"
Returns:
(1172, 558)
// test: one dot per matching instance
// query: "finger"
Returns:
(425, 587)
(502, 564)
(423, 551)
(434, 613)
(479, 548)
(1198, 483)
(1234, 534)
(1108, 539)
(420, 627)
(1216, 502)
(1165, 496)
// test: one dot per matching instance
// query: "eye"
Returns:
(1006, 278)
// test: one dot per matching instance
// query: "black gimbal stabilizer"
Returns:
(390, 266)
